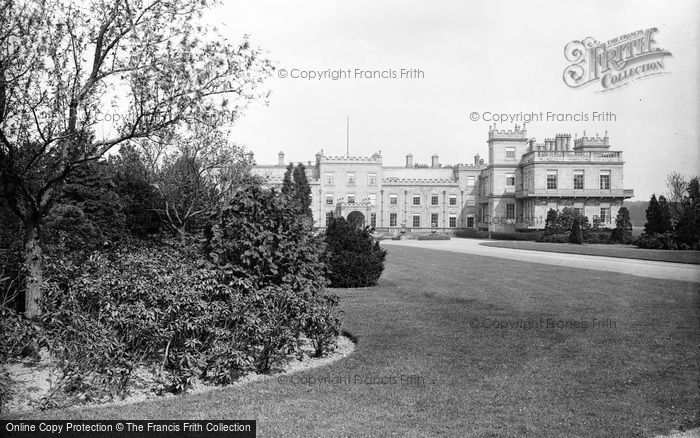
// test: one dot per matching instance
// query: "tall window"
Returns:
(453, 199)
(351, 198)
(372, 179)
(416, 220)
(329, 178)
(470, 221)
(416, 199)
(350, 178)
(510, 211)
(470, 180)
(551, 180)
(434, 199)
(510, 180)
(373, 220)
(578, 179)
(329, 199)
(392, 219)
(605, 180)
(393, 199)
(510, 152)
(433, 219)
(578, 211)
(453, 220)
(329, 217)
(604, 215)
(372, 199)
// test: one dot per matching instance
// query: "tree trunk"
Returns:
(33, 258)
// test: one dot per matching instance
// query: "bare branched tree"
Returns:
(194, 173)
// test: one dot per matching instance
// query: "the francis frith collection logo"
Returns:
(616, 62)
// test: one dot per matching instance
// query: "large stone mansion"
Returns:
(512, 191)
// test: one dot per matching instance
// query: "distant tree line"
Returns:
(672, 222)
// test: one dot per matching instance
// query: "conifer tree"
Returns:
(576, 236)
(653, 223)
(302, 190)
(287, 184)
(623, 226)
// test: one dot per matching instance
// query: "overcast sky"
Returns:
(499, 56)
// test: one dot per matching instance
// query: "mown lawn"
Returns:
(432, 317)
(624, 251)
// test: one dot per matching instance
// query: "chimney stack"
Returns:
(409, 160)
(280, 159)
(476, 160)
(435, 164)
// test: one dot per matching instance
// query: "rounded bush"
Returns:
(354, 258)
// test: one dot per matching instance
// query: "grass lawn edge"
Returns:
(669, 256)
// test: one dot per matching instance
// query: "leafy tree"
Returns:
(565, 219)
(677, 188)
(354, 258)
(156, 57)
(687, 230)
(623, 226)
(576, 236)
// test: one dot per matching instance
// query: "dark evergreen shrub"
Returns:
(656, 241)
(138, 196)
(658, 216)
(576, 236)
(433, 237)
(259, 238)
(532, 236)
(354, 258)
(623, 227)
(89, 211)
(472, 233)
(555, 238)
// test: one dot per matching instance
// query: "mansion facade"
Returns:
(512, 191)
